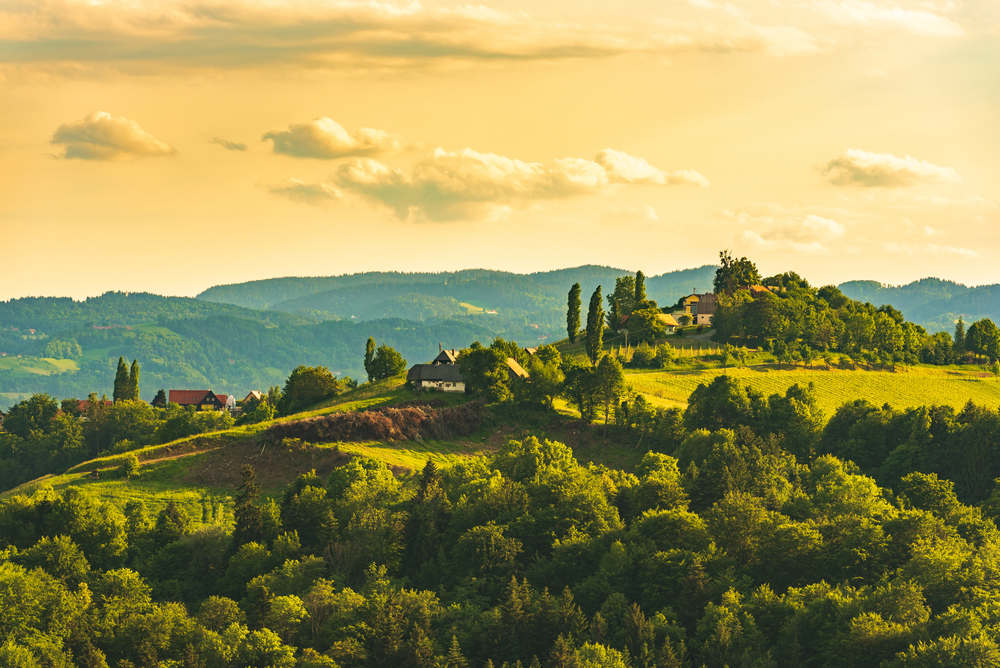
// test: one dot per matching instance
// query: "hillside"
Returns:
(417, 296)
(931, 302)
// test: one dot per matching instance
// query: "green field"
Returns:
(42, 366)
(915, 386)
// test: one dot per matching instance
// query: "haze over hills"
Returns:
(249, 336)
(239, 337)
(931, 302)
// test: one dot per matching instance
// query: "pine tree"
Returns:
(133, 381)
(249, 520)
(370, 359)
(959, 345)
(595, 326)
(640, 287)
(573, 312)
(454, 658)
(121, 381)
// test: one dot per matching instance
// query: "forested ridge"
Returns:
(746, 536)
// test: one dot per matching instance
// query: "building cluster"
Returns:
(444, 374)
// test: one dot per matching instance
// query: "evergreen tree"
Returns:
(959, 343)
(455, 658)
(133, 381)
(249, 520)
(640, 287)
(121, 381)
(160, 399)
(573, 313)
(370, 359)
(595, 326)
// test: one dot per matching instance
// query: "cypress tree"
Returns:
(370, 359)
(595, 326)
(121, 381)
(133, 381)
(959, 346)
(640, 287)
(573, 312)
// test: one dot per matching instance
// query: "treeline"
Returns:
(744, 546)
(41, 435)
(792, 315)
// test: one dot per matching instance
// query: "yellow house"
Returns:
(700, 307)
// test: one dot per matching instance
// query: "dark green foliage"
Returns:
(370, 359)
(733, 274)
(249, 520)
(122, 389)
(386, 363)
(573, 313)
(595, 327)
(307, 385)
(133, 381)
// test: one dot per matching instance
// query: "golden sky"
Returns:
(168, 146)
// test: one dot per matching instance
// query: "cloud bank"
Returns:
(808, 233)
(101, 136)
(467, 184)
(884, 170)
(326, 139)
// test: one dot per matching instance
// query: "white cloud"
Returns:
(884, 170)
(806, 233)
(467, 184)
(624, 168)
(101, 136)
(326, 139)
(952, 250)
(869, 14)
(307, 193)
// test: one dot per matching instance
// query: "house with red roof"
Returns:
(202, 400)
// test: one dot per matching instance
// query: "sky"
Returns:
(167, 146)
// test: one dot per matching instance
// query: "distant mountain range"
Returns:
(240, 337)
(237, 338)
(934, 303)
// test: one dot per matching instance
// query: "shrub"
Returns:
(129, 467)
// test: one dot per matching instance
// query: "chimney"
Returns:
(439, 347)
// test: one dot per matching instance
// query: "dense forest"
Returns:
(931, 302)
(747, 537)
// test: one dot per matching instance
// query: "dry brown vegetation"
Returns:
(384, 424)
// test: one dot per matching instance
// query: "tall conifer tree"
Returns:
(121, 381)
(370, 359)
(133, 381)
(595, 326)
(959, 345)
(640, 287)
(573, 312)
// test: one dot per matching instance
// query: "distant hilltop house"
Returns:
(203, 400)
(700, 307)
(253, 396)
(442, 374)
(2, 416)
(82, 405)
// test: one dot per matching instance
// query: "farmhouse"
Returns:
(253, 396)
(701, 307)
(202, 400)
(442, 377)
(2, 416)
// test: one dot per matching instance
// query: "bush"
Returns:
(665, 355)
(643, 357)
(129, 467)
